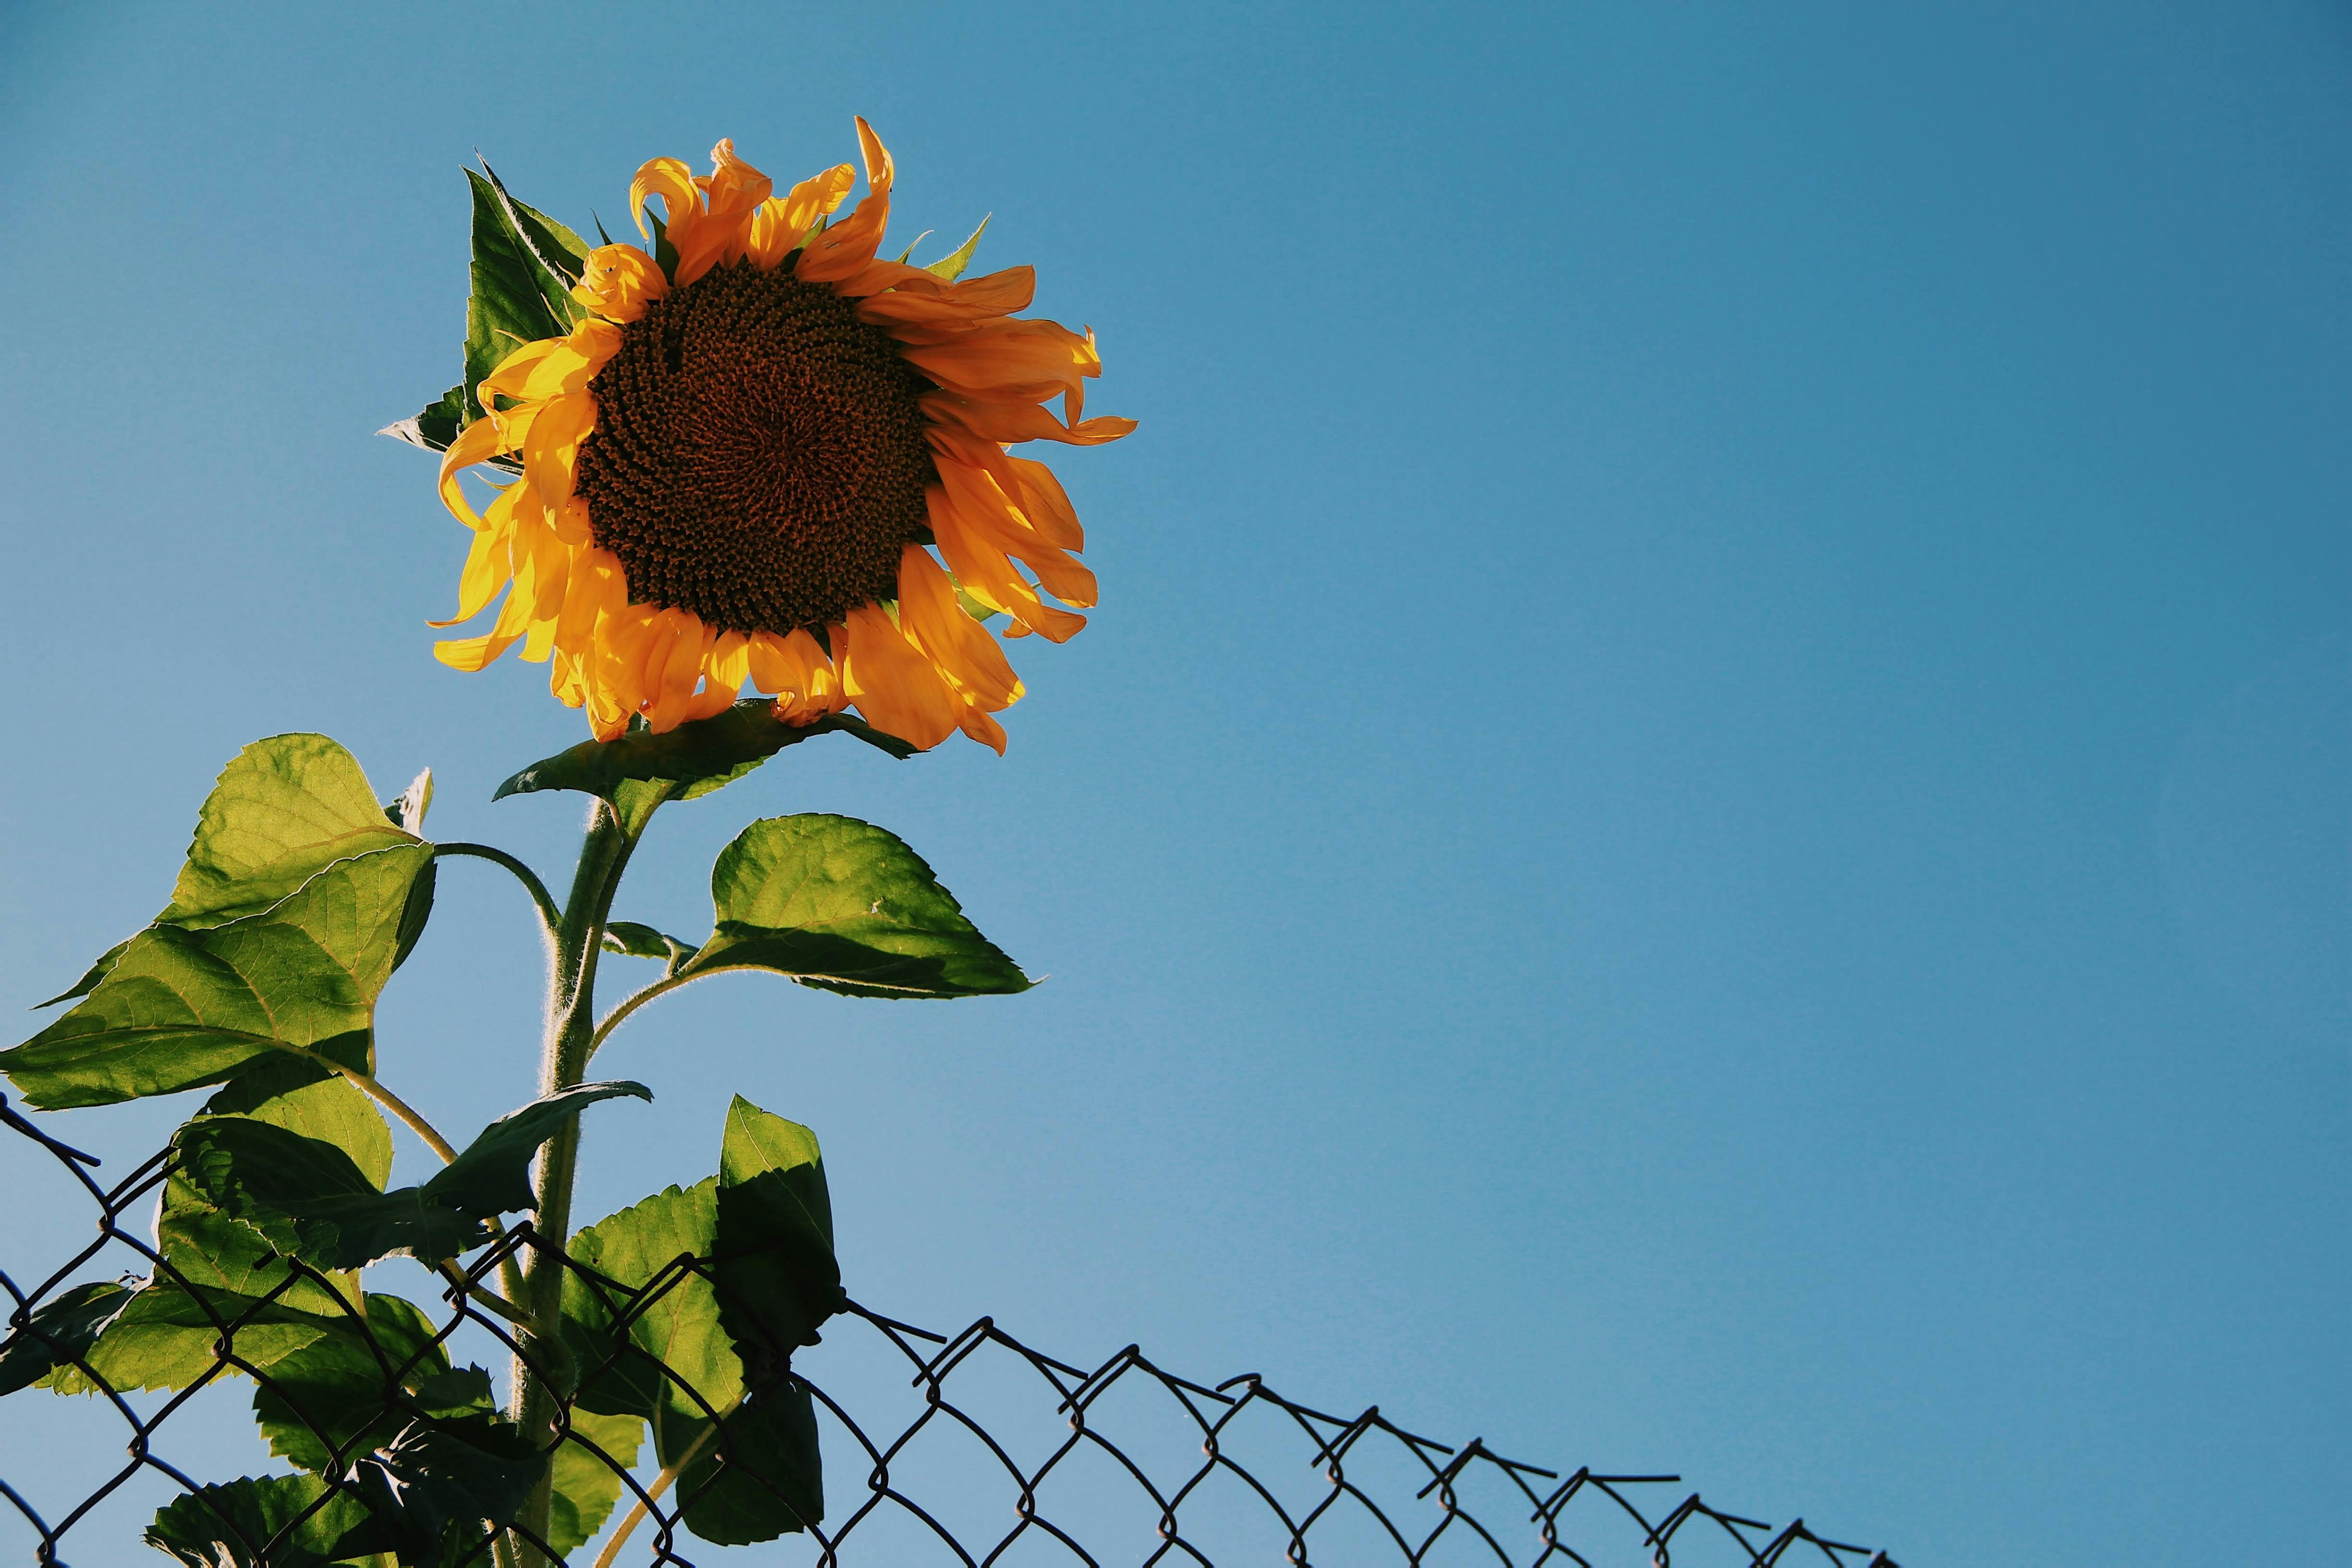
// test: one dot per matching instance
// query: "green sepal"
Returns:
(267, 1521)
(844, 906)
(435, 426)
(701, 756)
(951, 266)
(521, 291)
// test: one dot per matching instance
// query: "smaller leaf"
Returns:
(60, 1334)
(846, 906)
(951, 266)
(491, 1175)
(644, 942)
(267, 1521)
(702, 754)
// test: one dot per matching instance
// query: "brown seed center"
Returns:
(759, 456)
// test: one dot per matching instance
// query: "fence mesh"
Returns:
(971, 1447)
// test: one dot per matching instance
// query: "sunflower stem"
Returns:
(579, 937)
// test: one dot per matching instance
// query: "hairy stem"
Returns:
(570, 1013)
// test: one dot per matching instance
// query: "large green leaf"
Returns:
(346, 1393)
(623, 1344)
(518, 297)
(774, 1266)
(58, 1331)
(702, 754)
(184, 1008)
(846, 906)
(307, 1098)
(283, 810)
(169, 1338)
(309, 1200)
(267, 1522)
(587, 1483)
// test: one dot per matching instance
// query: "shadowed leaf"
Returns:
(702, 755)
(280, 1522)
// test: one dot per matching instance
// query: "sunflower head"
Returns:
(733, 468)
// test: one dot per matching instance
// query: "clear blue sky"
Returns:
(1705, 827)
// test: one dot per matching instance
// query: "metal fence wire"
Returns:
(971, 1447)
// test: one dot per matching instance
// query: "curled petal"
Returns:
(476, 443)
(782, 222)
(673, 182)
(842, 250)
(734, 191)
(952, 304)
(1016, 422)
(618, 282)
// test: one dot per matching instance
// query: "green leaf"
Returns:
(774, 1264)
(309, 1200)
(182, 1008)
(844, 906)
(315, 1101)
(267, 1522)
(58, 1332)
(703, 755)
(518, 297)
(491, 1174)
(440, 1479)
(622, 1344)
(283, 810)
(168, 1338)
(347, 1393)
(762, 1478)
(587, 1485)
(951, 266)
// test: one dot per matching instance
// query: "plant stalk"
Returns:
(571, 1019)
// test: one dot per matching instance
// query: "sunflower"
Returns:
(733, 470)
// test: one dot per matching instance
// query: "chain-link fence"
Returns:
(966, 1448)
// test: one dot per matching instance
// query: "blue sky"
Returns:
(1704, 825)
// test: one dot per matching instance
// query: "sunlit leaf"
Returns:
(587, 1481)
(184, 1008)
(846, 906)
